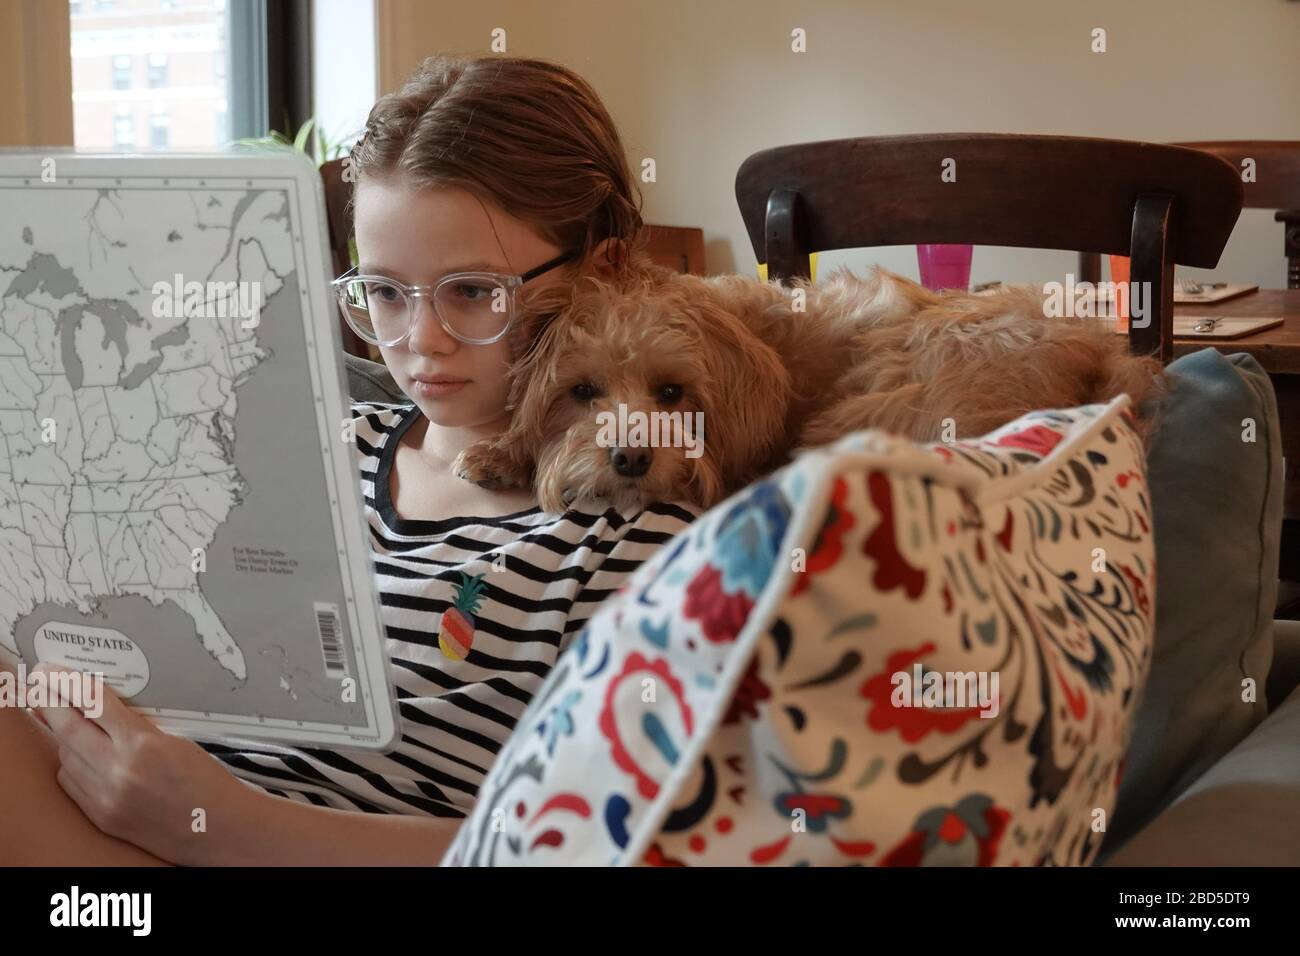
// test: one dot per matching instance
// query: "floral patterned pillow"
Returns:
(885, 654)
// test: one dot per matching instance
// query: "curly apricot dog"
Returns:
(762, 369)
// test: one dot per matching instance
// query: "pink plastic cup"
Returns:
(944, 266)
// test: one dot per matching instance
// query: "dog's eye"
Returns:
(583, 392)
(669, 394)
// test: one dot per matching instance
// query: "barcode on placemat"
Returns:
(331, 645)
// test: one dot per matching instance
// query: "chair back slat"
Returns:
(1276, 173)
(1043, 192)
(1274, 184)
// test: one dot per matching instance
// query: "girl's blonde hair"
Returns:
(530, 136)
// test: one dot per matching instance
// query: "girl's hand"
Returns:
(136, 782)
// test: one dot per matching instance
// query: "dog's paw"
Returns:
(479, 464)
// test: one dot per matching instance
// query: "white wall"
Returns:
(701, 84)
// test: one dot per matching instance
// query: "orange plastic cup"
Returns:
(1119, 273)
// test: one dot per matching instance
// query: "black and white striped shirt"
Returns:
(455, 714)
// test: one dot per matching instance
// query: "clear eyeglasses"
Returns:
(476, 308)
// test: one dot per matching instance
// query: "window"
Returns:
(344, 71)
(148, 52)
(122, 72)
(123, 132)
(159, 130)
(157, 69)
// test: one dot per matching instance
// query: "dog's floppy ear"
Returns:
(535, 341)
(509, 459)
(536, 307)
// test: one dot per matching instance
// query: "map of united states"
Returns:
(117, 409)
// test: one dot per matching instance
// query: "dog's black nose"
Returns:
(630, 462)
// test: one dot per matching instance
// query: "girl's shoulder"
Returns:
(383, 410)
(374, 419)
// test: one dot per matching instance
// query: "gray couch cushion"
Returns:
(1217, 505)
(370, 382)
(1242, 812)
(1284, 675)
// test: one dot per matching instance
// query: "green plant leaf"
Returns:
(304, 136)
(309, 140)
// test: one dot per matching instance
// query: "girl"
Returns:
(504, 166)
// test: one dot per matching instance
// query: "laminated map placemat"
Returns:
(179, 503)
(1213, 292)
(1222, 326)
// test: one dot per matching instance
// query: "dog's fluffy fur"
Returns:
(770, 377)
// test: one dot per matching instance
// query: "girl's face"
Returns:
(417, 235)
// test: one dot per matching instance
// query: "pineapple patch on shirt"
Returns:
(456, 630)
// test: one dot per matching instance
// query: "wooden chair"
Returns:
(676, 247)
(1160, 205)
(338, 195)
(1276, 186)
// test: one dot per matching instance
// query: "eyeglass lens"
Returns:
(476, 309)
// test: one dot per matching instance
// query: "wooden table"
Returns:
(1278, 351)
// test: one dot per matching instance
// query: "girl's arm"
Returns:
(168, 796)
(267, 829)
